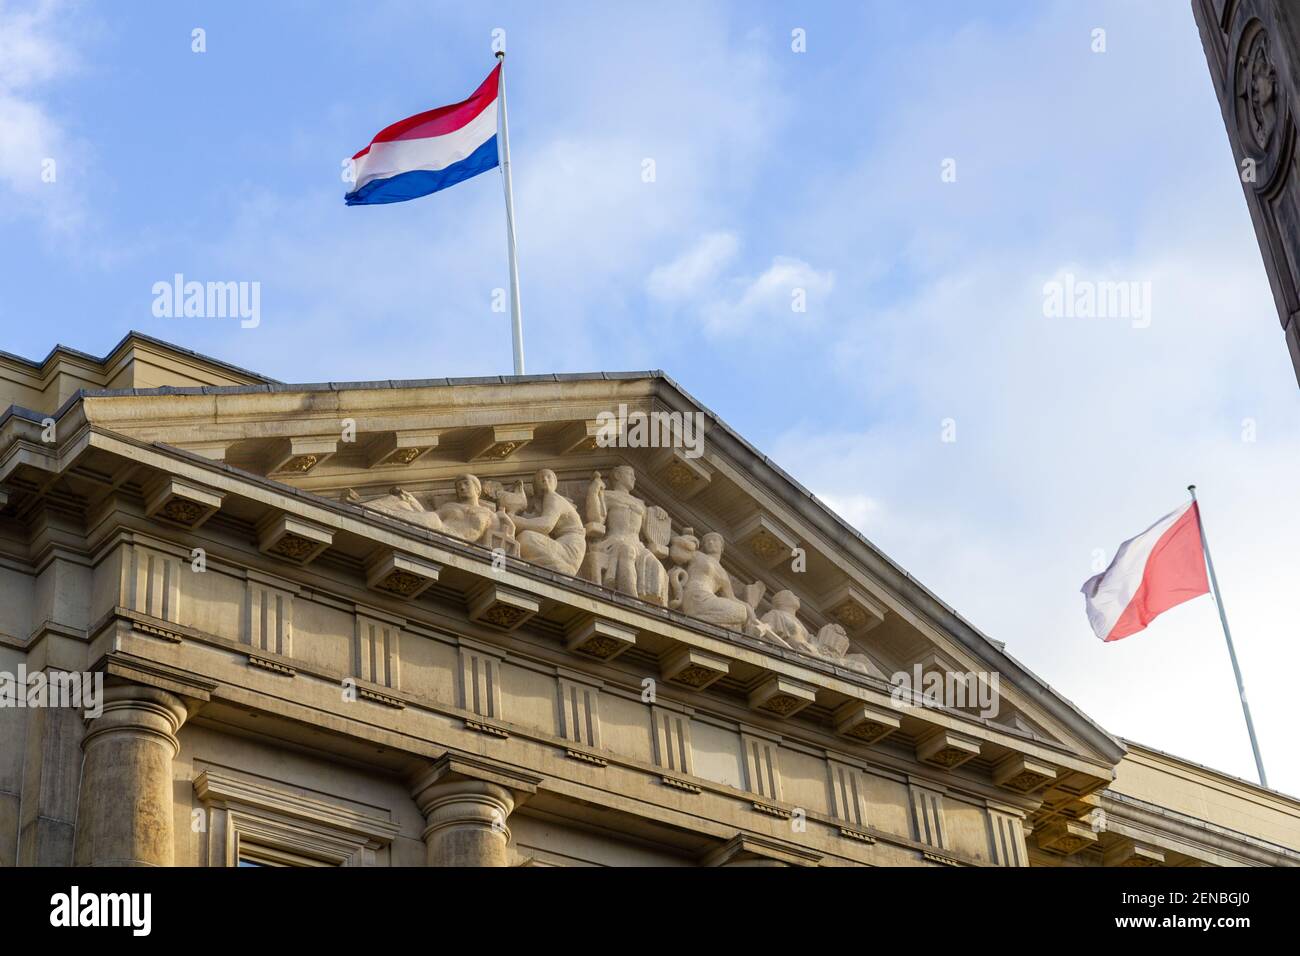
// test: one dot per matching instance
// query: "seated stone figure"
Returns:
(784, 625)
(554, 537)
(703, 590)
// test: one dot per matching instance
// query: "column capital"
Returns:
(141, 711)
(458, 768)
(466, 800)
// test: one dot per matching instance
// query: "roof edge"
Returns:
(125, 342)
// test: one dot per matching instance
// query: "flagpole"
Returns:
(516, 320)
(1232, 653)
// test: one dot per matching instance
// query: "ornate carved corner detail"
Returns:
(586, 757)
(267, 664)
(1260, 109)
(680, 784)
(388, 700)
(292, 539)
(691, 667)
(181, 503)
(947, 750)
(858, 835)
(400, 575)
(684, 476)
(853, 609)
(771, 810)
(599, 638)
(490, 729)
(498, 442)
(864, 722)
(1021, 774)
(399, 449)
(1065, 837)
(298, 456)
(782, 696)
(502, 608)
(766, 540)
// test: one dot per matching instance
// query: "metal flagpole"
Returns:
(516, 320)
(1223, 617)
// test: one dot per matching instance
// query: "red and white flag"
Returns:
(1159, 569)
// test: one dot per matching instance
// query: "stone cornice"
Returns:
(1196, 838)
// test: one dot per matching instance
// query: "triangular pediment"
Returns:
(791, 576)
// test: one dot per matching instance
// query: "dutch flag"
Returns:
(430, 151)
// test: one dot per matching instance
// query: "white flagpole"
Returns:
(1223, 618)
(516, 320)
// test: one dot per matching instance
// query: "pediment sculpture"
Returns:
(831, 642)
(620, 542)
(554, 536)
(629, 539)
(465, 517)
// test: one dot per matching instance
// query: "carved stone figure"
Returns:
(703, 589)
(832, 642)
(466, 518)
(510, 501)
(401, 504)
(784, 626)
(596, 504)
(626, 549)
(683, 547)
(554, 537)
(622, 545)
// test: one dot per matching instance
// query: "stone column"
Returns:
(124, 814)
(466, 802)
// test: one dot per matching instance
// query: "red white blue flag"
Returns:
(429, 151)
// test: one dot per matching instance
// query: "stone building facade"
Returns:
(451, 622)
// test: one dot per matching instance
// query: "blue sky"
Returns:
(775, 170)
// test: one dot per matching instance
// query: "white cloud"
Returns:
(31, 57)
(861, 511)
(789, 290)
(693, 272)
